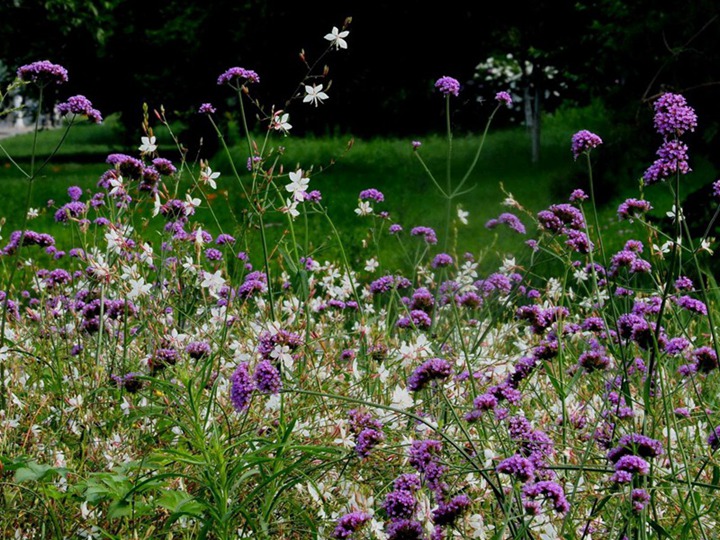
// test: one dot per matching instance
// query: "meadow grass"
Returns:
(193, 356)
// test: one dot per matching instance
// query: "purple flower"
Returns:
(164, 166)
(447, 512)
(517, 466)
(503, 97)
(267, 378)
(198, 349)
(416, 145)
(442, 260)
(578, 195)
(511, 220)
(368, 439)
(424, 453)
(349, 524)
(448, 85)
(399, 504)
(548, 490)
(639, 498)
(584, 141)
(714, 438)
(635, 444)
(80, 105)
(43, 73)
(238, 73)
(418, 318)
(691, 304)
(395, 228)
(716, 189)
(705, 359)
(405, 529)
(372, 194)
(206, 108)
(407, 482)
(628, 465)
(213, 254)
(633, 208)
(433, 369)
(673, 159)
(241, 387)
(426, 232)
(673, 116)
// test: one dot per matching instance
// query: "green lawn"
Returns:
(411, 199)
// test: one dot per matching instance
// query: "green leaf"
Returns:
(119, 509)
(180, 502)
(35, 472)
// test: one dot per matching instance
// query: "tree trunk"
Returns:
(531, 101)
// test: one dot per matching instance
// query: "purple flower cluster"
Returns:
(673, 116)
(705, 359)
(691, 304)
(417, 318)
(448, 512)
(518, 466)
(442, 260)
(635, 444)
(238, 73)
(43, 73)
(633, 208)
(349, 524)
(426, 232)
(254, 282)
(447, 86)
(267, 341)
(30, 238)
(430, 370)
(129, 382)
(546, 489)
(511, 220)
(714, 438)
(568, 220)
(371, 194)
(672, 159)
(583, 141)
(82, 106)
(206, 108)
(241, 387)
(640, 498)
(198, 349)
(504, 97)
(388, 283)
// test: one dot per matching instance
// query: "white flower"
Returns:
(364, 209)
(401, 399)
(138, 287)
(148, 145)
(314, 94)
(116, 186)
(705, 244)
(190, 204)
(208, 177)
(32, 213)
(672, 213)
(337, 38)
(463, 215)
(290, 208)
(371, 265)
(298, 185)
(214, 282)
(280, 122)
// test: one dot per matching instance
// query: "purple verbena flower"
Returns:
(448, 85)
(43, 73)
(238, 73)
(241, 387)
(517, 466)
(504, 97)
(207, 108)
(267, 378)
(430, 370)
(82, 106)
(371, 194)
(349, 524)
(583, 141)
(673, 116)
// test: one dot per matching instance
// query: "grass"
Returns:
(343, 167)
